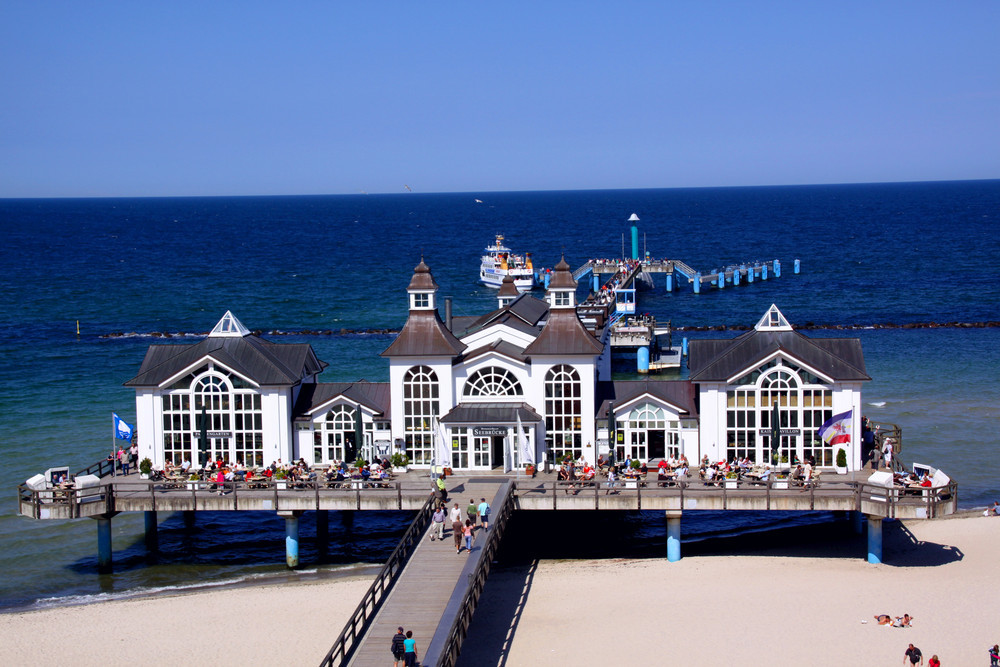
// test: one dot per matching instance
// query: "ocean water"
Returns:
(871, 255)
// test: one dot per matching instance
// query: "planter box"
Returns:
(281, 484)
(841, 471)
(143, 475)
(194, 486)
(780, 484)
(732, 483)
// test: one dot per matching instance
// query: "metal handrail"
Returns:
(343, 647)
(477, 580)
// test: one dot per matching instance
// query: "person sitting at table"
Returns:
(797, 474)
(268, 473)
(663, 476)
(926, 481)
(588, 471)
(684, 461)
(185, 466)
(644, 469)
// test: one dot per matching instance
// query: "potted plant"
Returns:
(145, 467)
(841, 461)
(192, 481)
(399, 461)
(360, 463)
(781, 481)
(279, 479)
(529, 469)
(636, 465)
(732, 480)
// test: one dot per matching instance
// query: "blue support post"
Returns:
(673, 536)
(152, 540)
(763, 271)
(548, 277)
(642, 359)
(874, 539)
(635, 242)
(750, 271)
(777, 269)
(697, 283)
(291, 537)
(104, 544)
(597, 283)
(670, 282)
(795, 267)
(736, 276)
(722, 280)
(684, 347)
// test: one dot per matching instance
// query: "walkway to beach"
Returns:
(422, 600)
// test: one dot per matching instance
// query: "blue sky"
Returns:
(233, 98)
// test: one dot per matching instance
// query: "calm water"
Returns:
(871, 255)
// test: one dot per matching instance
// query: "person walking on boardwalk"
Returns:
(442, 489)
(467, 531)
(484, 513)
(914, 655)
(410, 650)
(472, 510)
(995, 656)
(455, 514)
(456, 530)
(397, 647)
(438, 524)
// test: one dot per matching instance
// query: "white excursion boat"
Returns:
(499, 262)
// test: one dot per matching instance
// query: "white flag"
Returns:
(443, 451)
(523, 446)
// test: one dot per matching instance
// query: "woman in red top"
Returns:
(934, 662)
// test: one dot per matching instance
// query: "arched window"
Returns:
(492, 381)
(420, 407)
(563, 412)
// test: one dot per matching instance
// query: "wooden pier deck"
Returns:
(421, 600)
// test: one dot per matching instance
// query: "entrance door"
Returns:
(481, 448)
(657, 444)
(637, 452)
(497, 450)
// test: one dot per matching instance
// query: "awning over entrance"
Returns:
(491, 413)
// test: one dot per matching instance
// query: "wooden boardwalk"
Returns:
(432, 577)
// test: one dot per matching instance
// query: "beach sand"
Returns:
(769, 599)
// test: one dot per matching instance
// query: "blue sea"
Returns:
(876, 257)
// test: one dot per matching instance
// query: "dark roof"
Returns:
(373, 395)
(525, 308)
(720, 360)
(500, 347)
(491, 413)
(507, 287)
(679, 393)
(424, 335)
(258, 360)
(562, 277)
(422, 278)
(564, 333)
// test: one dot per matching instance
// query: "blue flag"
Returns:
(122, 430)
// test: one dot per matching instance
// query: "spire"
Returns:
(229, 326)
(508, 292)
(773, 320)
(562, 286)
(422, 288)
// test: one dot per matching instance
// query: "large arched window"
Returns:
(420, 407)
(563, 412)
(216, 415)
(491, 382)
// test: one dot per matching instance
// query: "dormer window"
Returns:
(563, 299)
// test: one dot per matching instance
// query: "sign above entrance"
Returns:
(219, 434)
(480, 431)
(784, 431)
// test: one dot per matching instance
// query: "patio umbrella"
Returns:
(203, 439)
(775, 432)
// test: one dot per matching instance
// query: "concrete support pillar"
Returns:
(736, 277)
(750, 271)
(697, 283)
(670, 282)
(874, 539)
(291, 537)
(777, 269)
(104, 544)
(188, 519)
(642, 360)
(673, 536)
(721, 280)
(763, 271)
(684, 346)
(152, 539)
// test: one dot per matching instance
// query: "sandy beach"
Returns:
(743, 602)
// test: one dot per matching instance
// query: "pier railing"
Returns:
(347, 640)
(477, 580)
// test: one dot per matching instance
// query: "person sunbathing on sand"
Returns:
(903, 622)
(883, 619)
